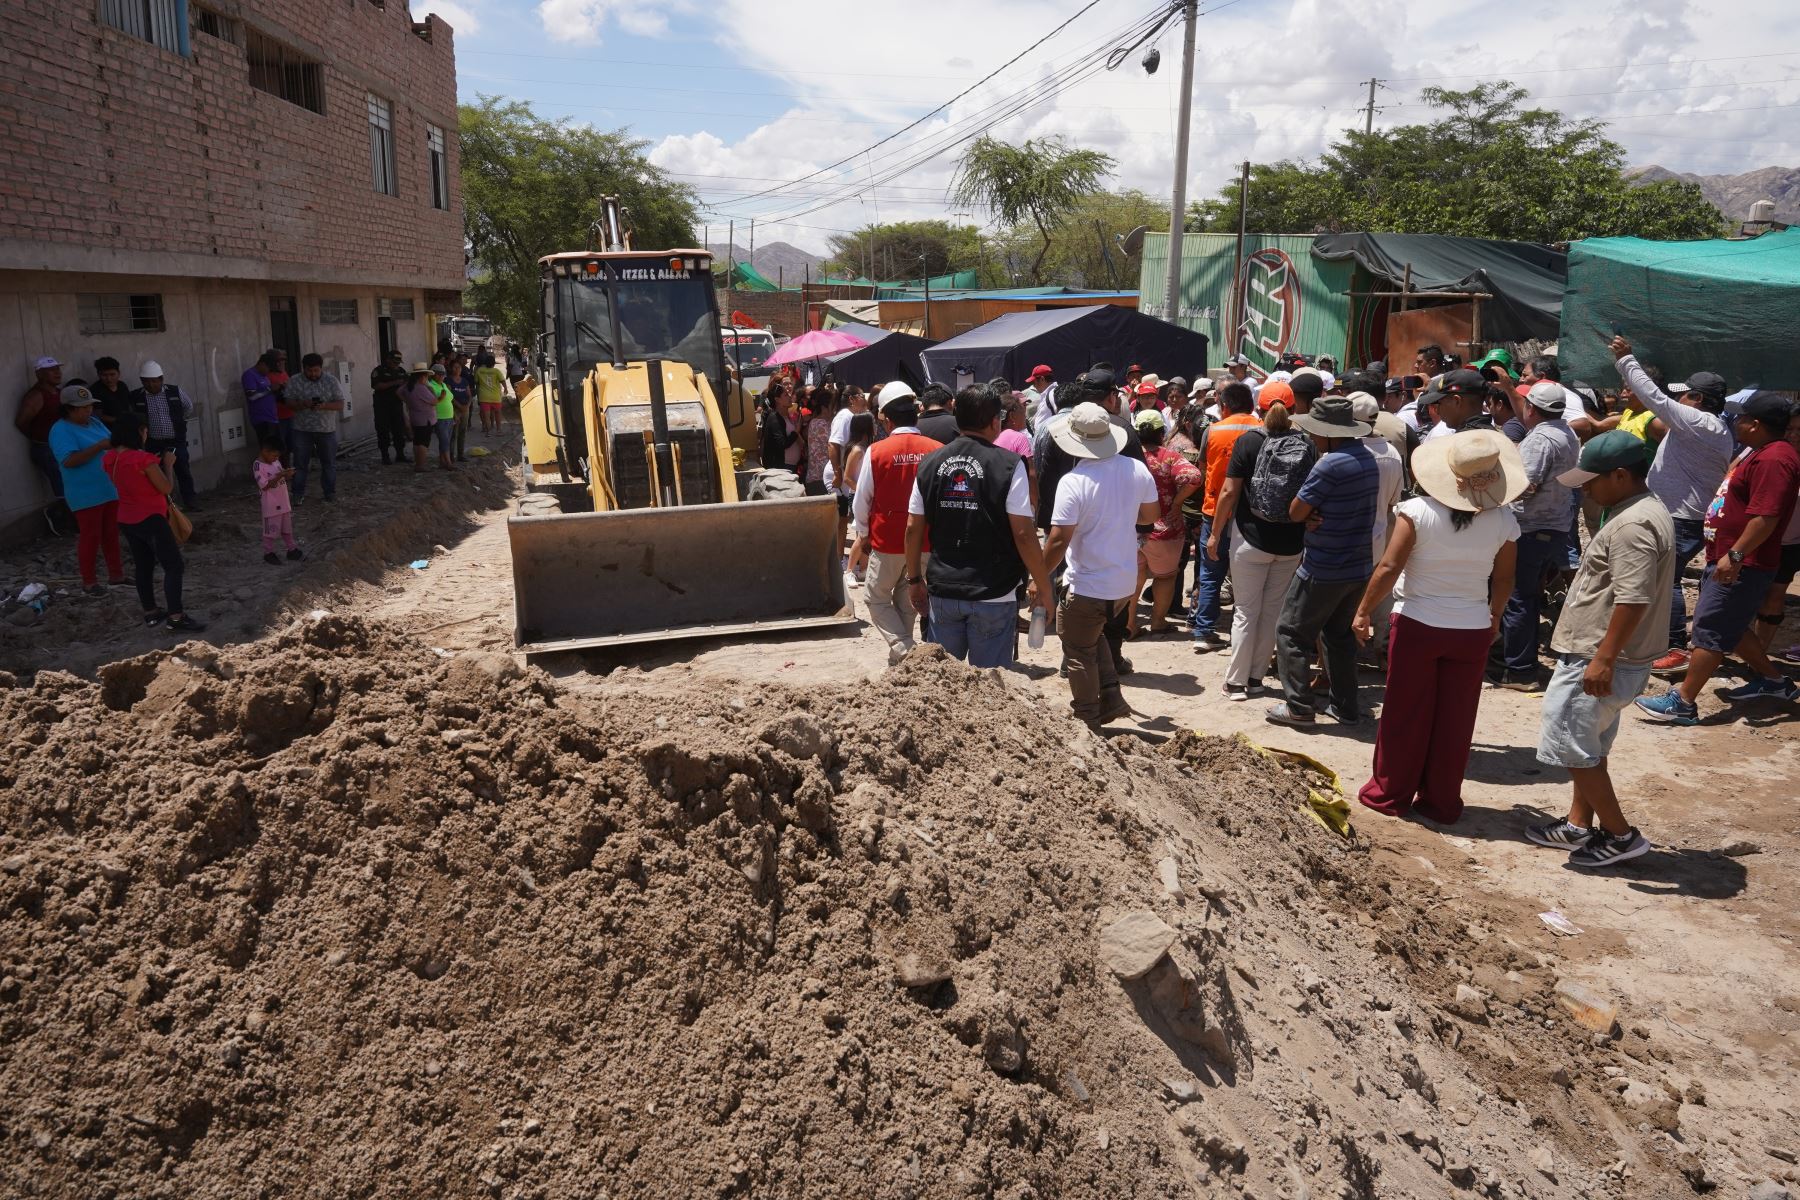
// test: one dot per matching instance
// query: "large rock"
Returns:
(1134, 943)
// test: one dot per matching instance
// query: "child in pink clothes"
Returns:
(277, 510)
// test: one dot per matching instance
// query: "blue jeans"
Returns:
(1538, 550)
(1690, 539)
(444, 428)
(307, 444)
(44, 459)
(1212, 574)
(976, 631)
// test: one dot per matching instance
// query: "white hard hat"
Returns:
(894, 391)
(150, 369)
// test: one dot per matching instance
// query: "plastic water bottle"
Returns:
(1036, 638)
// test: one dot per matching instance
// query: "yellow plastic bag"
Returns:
(1330, 810)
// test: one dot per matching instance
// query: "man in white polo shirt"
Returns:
(1103, 506)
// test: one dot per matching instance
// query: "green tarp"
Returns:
(746, 278)
(1524, 279)
(1727, 306)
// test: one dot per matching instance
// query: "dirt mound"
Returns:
(332, 915)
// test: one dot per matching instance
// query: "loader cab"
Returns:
(618, 308)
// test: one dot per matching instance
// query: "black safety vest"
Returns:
(964, 488)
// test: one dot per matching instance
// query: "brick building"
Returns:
(194, 183)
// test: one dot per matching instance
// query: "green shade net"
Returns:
(1727, 306)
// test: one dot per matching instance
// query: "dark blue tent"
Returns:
(888, 356)
(1068, 341)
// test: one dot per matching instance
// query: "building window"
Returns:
(282, 71)
(440, 168)
(119, 312)
(400, 310)
(381, 146)
(218, 25)
(160, 22)
(337, 312)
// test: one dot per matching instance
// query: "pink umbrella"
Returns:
(818, 343)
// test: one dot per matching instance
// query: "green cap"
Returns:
(1608, 452)
(1149, 418)
(1499, 356)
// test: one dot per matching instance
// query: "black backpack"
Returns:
(1282, 465)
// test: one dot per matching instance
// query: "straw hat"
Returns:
(1088, 432)
(1472, 471)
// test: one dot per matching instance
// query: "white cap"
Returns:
(150, 369)
(894, 391)
(1549, 396)
(1364, 407)
(45, 363)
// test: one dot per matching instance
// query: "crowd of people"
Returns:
(114, 458)
(1421, 525)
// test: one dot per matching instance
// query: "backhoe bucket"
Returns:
(594, 580)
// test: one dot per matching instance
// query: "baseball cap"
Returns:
(1361, 381)
(1039, 371)
(1099, 379)
(76, 396)
(1549, 396)
(1364, 407)
(1606, 452)
(1393, 386)
(1500, 357)
(1202, 385)
(1460, 382)
(1237, 360)
(1274, 392)
(1307, 383)
(1149, 419)
(45, 363)
(1144, 388)
(1765, 405)
(1704, 382)
(1134, 369)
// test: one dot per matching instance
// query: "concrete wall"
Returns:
(121, 156)
(215, 328)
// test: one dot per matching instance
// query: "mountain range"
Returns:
(1734, 194)
(779, 262)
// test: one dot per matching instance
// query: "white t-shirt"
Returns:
(1393, 476)
(1100, 498)
(1445, 583)
(1018, 504)
(839, 437)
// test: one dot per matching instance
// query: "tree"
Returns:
(1040, 180)
(904, 250)
(1488, 167)
(532, 187)
(1085, 249)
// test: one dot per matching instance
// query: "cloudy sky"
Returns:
(740, 96)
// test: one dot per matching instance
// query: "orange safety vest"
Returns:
(1220, 438)
(893, 463)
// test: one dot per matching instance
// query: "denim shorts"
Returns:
(1577, 729)
(1722, 615)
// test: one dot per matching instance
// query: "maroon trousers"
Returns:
(1427, 719)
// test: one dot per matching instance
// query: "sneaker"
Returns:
(1604, 849)
(1516, 683)
(1206, 642)
(1281, 714)
(1675, 662)
(1341, 717)
(1668, 708)
(184, 624)
(273, 559)
(155, 616)
(1237, 691)
(295, 555)
(1790, 656)
(1777, 688)
(1559, 835)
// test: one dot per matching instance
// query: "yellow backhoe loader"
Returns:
(638, 524)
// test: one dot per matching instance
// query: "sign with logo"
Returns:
(1272, 306)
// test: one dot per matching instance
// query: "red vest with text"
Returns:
(894, 461)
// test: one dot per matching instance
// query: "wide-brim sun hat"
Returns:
(1332, 417)
(1089, 432)
(1471, 471)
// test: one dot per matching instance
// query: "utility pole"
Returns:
(752, 241)
(1369, 113)
(1178, 210)
(1237, 269)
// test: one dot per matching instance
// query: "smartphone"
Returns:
(1617, 332)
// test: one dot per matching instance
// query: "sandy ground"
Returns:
(1696, 946)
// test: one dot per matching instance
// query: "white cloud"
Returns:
(462, 18)
(583, 21)
(1274, 81)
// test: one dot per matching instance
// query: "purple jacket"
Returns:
(259, 397)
